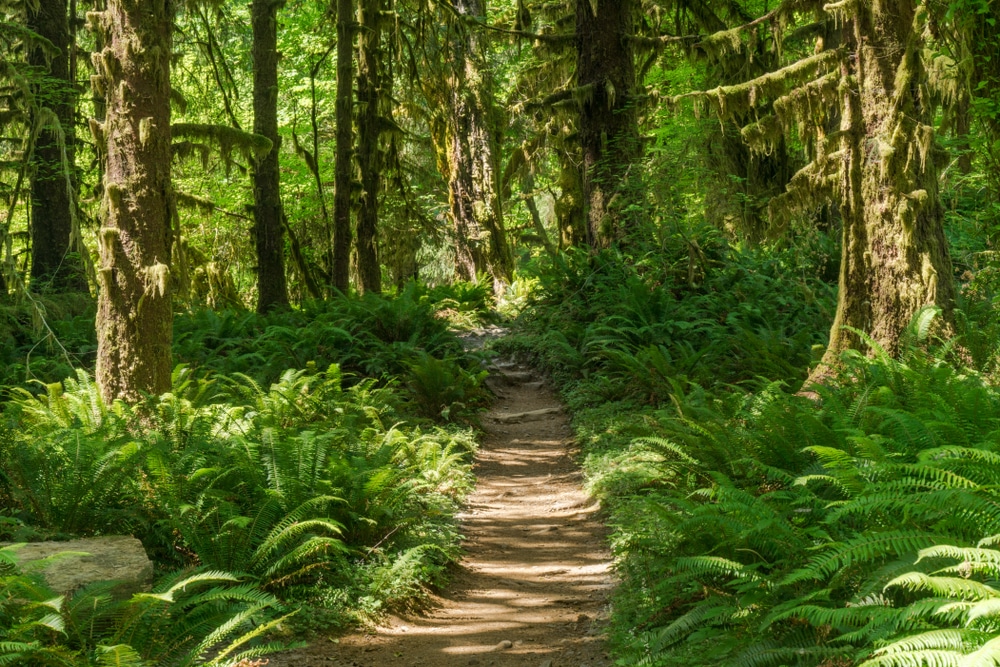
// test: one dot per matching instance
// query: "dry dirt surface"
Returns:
(532, 588)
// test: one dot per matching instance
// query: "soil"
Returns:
(532, 589)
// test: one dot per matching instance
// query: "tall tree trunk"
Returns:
(895, 257)
(609, 130)
(369, 155)
(52, 264)
(272, 291)
(473, 158)
(341, 270)
(134, 315)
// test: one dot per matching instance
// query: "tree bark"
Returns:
(52, 263)
(341, 270)
(963, 127)
(134, 316)
(272, 290)
(569, 207)
(895, 257)
(528, 184)
(369, 155)
(473, 159)
(608, 130)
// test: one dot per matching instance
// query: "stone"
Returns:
(531, 416)
(89, 560)
(504, 645)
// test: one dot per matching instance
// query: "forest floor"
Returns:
(532, 589)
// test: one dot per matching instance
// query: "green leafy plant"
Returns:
(189, 619)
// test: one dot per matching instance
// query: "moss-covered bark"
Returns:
(134, 317)
(341, 269)
(895, 257)
(471, 148)
(370, 94)
(272, 290)
(608, 126)
(52, 264)
(569, 208)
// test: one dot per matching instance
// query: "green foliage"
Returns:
(753, 526)
(687, 308)
(407, 335)
(781, 531)
(292, 486)
(442, 388)
(371, 336)
(189, 619)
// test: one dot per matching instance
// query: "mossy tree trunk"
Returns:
(52, 263)
(369, 155)
(272, 290)
(134, 316)
(569, 207)
(895, 257)
(472, 152)
(608, 126)
(341, 269)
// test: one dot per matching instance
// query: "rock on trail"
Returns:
(532, 588)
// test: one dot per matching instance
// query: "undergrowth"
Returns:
(756, 527)
(308, 460)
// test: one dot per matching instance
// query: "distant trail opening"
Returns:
(532, 588)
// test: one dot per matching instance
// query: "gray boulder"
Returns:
(89, 560)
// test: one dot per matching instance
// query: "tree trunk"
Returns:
(369, 156)
(341, 270)
(134, 316)
(963, 114)
(272, 291)
(52, 264)
(528, 186)
(609, 130)
(473, 158)
(569, 208)
(895, 257)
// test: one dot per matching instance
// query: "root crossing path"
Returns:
(532, 588)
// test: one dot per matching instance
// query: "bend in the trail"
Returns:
(532, 588)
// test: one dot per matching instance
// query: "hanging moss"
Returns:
(225, 139)
(183, 150)
(763, 134)
(205, 206)
(738, 98)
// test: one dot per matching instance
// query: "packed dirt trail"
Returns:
(532, 587)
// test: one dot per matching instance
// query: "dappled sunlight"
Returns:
(534, 583)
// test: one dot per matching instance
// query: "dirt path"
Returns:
(531, 590)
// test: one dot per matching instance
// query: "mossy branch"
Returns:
(204, 205)
(660, 41)
(226, 139)
(178, 101)
(562, 39)
(737, 98)
(812, 185)
(12, 32)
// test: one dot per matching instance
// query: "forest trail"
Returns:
(531, 590)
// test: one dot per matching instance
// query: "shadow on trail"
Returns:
(532, 589)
